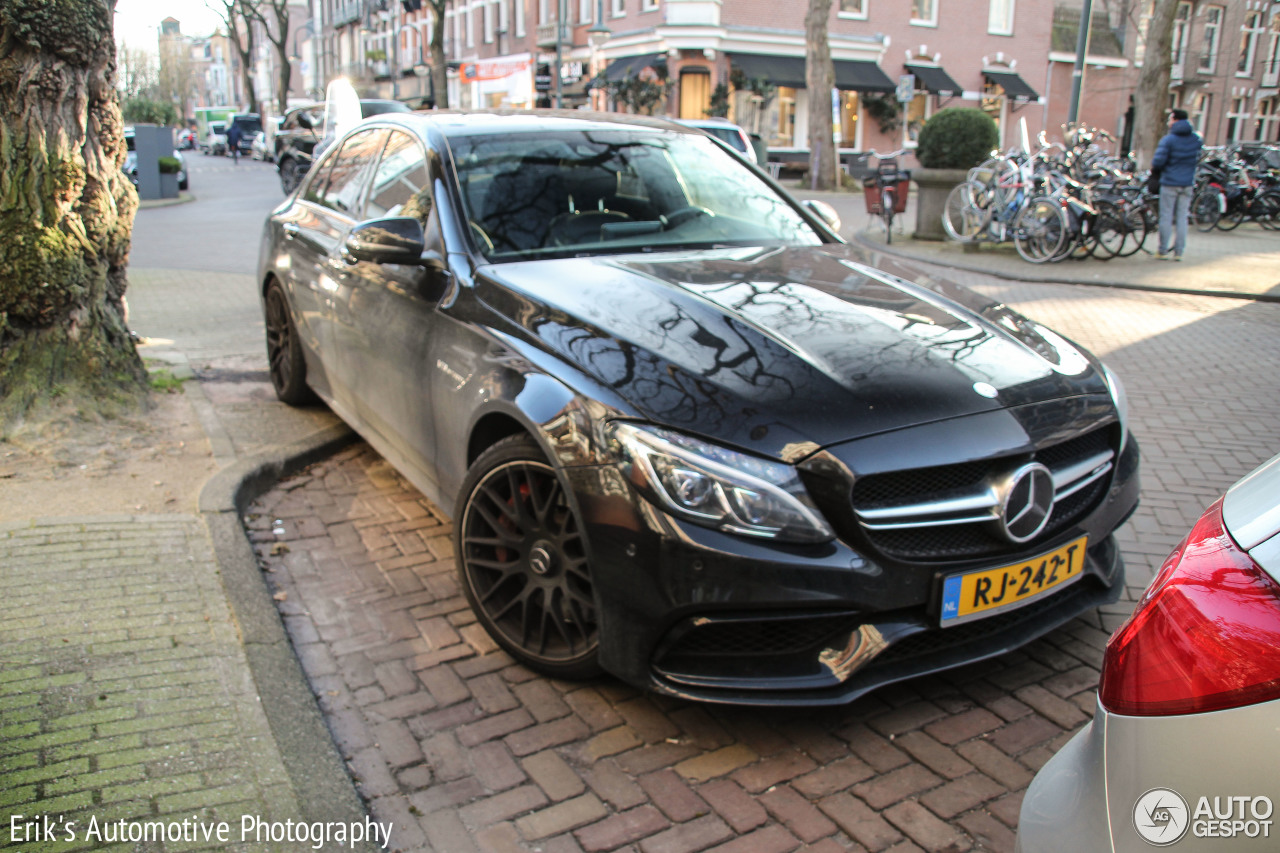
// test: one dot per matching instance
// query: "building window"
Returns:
(784, 128)
(1181, 34)
(488, 23)
(993, 104)
(924, 12)
(584, 11)
(1271, 65)
(856, 9)
(1199, 112)
(519, 18)
(648, 5)
(1264, 125)
(1000, 18)
(544, 12)
(1238, 119)
(1212, 36)
(619, 8)
(1249, 43)
(471, 26)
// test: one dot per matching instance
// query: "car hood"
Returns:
(784, 350)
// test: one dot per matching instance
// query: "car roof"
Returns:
(471, 123)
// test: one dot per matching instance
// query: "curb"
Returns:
(1033, 278)
(321, 782)
(183, 198)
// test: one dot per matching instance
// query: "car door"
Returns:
(390, 313)
(315, 230)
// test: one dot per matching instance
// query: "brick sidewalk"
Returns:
(467, 751)
(122, 681)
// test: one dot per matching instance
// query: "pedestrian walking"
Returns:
(233, 142)
(1175, 162)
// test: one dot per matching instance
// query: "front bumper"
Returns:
(698, 614)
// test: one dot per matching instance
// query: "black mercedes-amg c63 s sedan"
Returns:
(687, 435)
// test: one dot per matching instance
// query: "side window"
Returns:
(319, 175)
(400, 186)
(350, 172)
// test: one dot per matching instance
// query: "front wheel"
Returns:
(522, 561)
(1040, 231)
(967, 212)
(887, 202)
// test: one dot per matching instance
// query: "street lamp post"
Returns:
(597, 36)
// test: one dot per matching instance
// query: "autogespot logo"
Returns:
(1160, 816)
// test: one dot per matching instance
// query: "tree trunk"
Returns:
(819, 77)
(439, 69)
(1151, 100)
(66, 211)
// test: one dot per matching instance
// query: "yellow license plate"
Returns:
(977, 594)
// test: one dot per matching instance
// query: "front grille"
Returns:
(912, 514)
(763, 636)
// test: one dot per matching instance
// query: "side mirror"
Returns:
(394, 240)
(825, 212)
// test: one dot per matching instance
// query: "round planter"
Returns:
(933, 186)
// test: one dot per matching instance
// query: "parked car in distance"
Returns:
(300, 131)
(216, 142)
(131, 161)
(185, 140)
(727, 132)
(1183, 741)
(686, 433)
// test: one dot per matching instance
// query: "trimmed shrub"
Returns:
(170, 165)
(957, 138)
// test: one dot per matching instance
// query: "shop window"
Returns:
(914, 115)
(848, 119)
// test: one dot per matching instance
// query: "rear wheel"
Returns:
(1109, 232)
(1206, 208)
(522, 561)
(1266, 210)
(285, 361)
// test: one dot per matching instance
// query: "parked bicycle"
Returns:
(885, 191)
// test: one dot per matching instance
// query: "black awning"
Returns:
(630, 66)
(859, 76)
(1014, 86)
(778, 70)
(934, 80)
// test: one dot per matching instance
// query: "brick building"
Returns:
(1011, 58)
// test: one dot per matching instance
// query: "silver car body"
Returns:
(1086, 798)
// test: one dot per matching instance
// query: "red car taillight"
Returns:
(1204, 636)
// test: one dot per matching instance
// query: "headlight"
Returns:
(717, 487)
(1122, 403)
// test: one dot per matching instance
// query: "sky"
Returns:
(138, 21)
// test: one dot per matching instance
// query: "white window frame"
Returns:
(520, 30)
(1181, 34)
(1271, 65)
(648, 5)
(1212, 38)
(618, 9)
(858, 14)
(931, 9)
(544, 12)
(504, 18)
(1249, 34)
(488, 23)
(1264, 118)
(1000, 17)
(1201, 105)
(1239, 118)
(470, 24)
(585, 10)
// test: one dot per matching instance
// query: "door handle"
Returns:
(290, 230)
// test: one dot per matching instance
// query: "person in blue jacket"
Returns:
(234, 135)
(1175, 160)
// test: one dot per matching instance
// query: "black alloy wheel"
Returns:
(285, 362)
(522, 561)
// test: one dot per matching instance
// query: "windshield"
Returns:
(377, 108)
(249, 125)
(586, 192)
